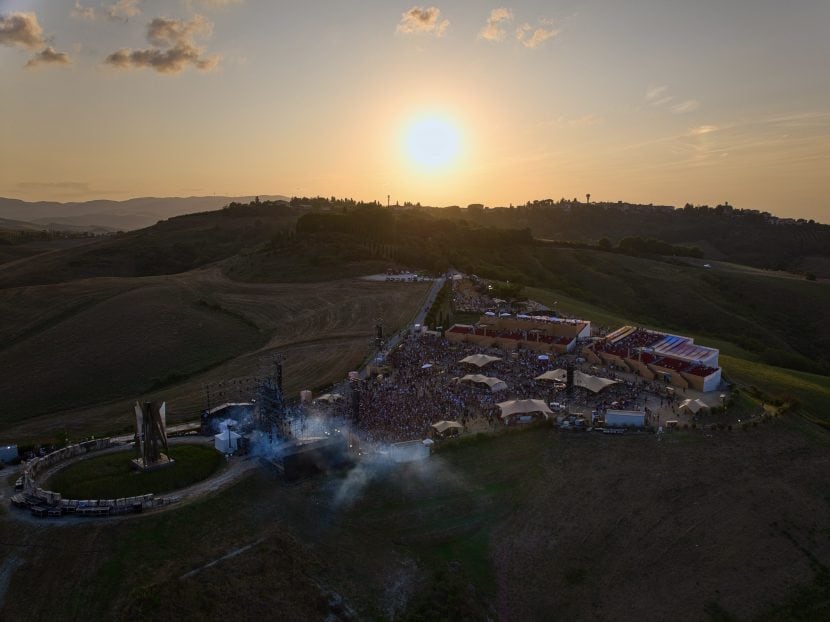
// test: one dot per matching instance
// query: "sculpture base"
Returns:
(163, 462)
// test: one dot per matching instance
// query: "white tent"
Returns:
(586, 381)
(426, 365)
(226, 442)
(695, 406)
(494, 383)
(517, 407)
(329, 397)
(443, 426)
(557, 375)
(593, 383)
(479, 360)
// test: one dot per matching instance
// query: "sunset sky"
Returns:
(646, 101)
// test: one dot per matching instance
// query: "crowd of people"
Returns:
(422, 385)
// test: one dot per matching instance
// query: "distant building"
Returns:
(537, 333)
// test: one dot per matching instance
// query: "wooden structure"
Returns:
(151, 436)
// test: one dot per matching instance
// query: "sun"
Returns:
(432, 142)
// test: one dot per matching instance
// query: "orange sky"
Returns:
(645, 103)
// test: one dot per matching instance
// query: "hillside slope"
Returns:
(175, 245)
(119, 215)
(74, 356)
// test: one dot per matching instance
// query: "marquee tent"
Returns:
(479, 360)
(329, 397)
(695, 406)
(443, 426)
(518, 407)
(557, 375)
(586, 381)
(494, 383)
(593, 383)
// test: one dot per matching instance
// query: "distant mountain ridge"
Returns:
(104, 214)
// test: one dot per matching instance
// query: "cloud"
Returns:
(492, 30)
(690, 105)
(178, 37)
(213, 4)
(173, 60)
(83, 12)
(532, 38)
(655, 93)
(700, 130)
(585, 120)
(20, 30)
(657, 96)
(123, 9)
(119, 10)
(423, 21)
(23, 30)
(48, 56)
(163, 32)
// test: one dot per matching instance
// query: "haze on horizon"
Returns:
(668, 102)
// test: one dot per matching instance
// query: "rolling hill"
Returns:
(211, 272)
(174, 245)
(114, 215)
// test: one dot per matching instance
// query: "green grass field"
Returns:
(112, 476)
(507, 527)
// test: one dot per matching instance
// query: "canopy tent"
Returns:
(494, 383)
(586, 381)
(593, 383)
(695, 406)
(426, 365)
(479, 360)
(443, 426)
(543, 357)
(226, 442)
(557, 375)
(518, 407)
(329, 397)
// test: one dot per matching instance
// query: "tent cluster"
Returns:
(594, 384)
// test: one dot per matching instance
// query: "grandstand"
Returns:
(651, 354)
(537, 333)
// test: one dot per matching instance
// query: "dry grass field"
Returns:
(75, 355)
(534, 525)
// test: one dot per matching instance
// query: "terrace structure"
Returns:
(538, 333)
(651, 354)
